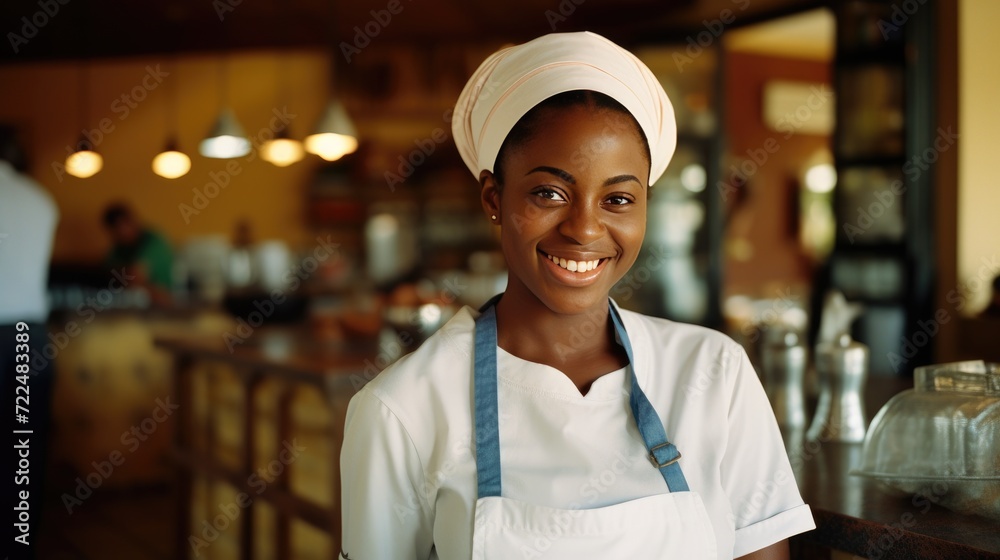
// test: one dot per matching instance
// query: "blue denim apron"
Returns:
(670, 525)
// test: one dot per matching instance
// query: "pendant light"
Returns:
(84, 161)
(335, 135)
(227, 139)
(171, 163)
(282, 150)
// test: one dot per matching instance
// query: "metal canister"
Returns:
(842, 366)
(783, 359)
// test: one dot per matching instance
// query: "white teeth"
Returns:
(575, 266)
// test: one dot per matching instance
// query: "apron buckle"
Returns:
(656, 462)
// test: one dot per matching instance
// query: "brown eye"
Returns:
(549, 194)
(619, 200)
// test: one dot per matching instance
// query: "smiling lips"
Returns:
(574, 266)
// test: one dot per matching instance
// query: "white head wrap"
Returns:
(515, 79)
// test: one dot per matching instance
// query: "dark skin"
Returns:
(553, 205)
(125, 231)
(576, 190)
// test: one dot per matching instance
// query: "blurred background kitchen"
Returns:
(260, 207)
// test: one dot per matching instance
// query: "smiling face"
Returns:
(572, 206)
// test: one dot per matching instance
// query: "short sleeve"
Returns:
(756, 474)
(384, 514)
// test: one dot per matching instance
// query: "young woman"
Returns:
(550, 423)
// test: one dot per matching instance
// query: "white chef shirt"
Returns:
(408, 466)
(28, 218)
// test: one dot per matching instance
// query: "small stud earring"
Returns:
(493, 217)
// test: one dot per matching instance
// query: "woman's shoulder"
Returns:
(666, 330)
(442, 363)
(428, 392)
(695, 354)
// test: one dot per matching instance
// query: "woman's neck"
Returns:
(581, 345)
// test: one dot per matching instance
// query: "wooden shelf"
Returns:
(885, 78)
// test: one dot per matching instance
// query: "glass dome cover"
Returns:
(941, 439)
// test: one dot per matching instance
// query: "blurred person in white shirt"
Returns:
(28, 218)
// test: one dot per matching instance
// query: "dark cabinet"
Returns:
(884, 147)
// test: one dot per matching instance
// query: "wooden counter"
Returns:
(852, 514)
(336, 369)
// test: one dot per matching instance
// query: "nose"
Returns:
(582, 223)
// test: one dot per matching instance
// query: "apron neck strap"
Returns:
(487, 413)
(662, 453)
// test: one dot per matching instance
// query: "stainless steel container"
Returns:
(843, 368)
(783, 359)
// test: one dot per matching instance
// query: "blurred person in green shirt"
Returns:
(141, 251)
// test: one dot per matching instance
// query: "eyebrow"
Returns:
(569, 178)
(621, 179)
(565, 176)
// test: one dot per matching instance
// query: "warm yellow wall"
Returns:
(43, 99)
(979, 121)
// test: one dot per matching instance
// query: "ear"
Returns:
(490, 195)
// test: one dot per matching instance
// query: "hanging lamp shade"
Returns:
(171, 163)
(85, 161)
(227, 139)
(335, 134)
(282, 150)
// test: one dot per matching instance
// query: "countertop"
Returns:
(852, 514)
(294, 353)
